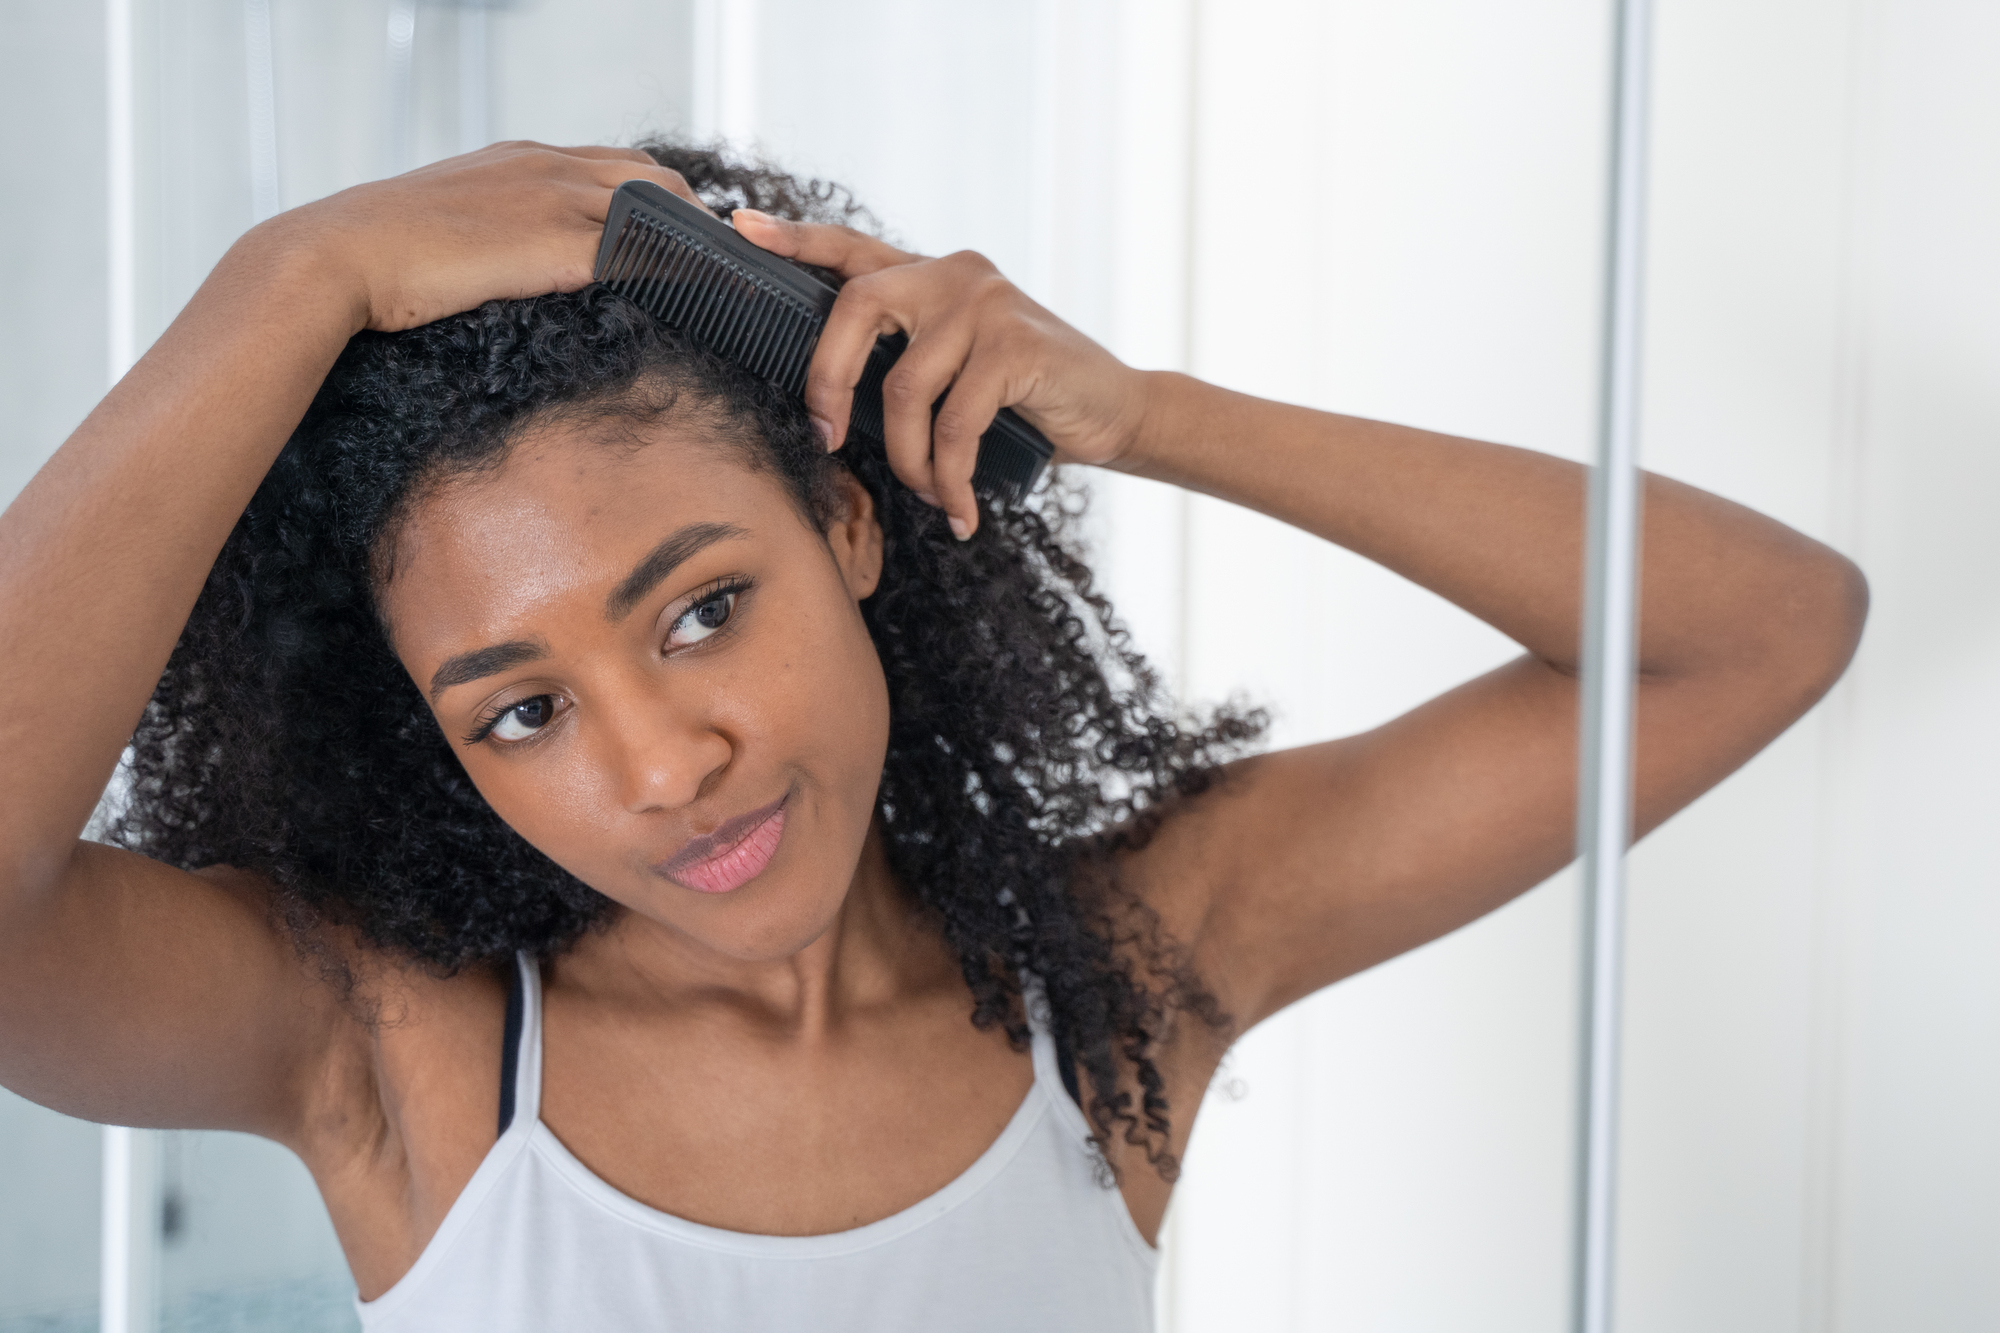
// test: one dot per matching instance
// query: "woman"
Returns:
(578, 799)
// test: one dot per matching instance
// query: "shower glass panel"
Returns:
(234, 109)
(51, 372)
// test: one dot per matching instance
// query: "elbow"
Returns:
(1826, 605)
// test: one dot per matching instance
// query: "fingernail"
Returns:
(754, 214)
(960, 528)
(927, 498)
(824, 429)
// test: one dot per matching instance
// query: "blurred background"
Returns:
(1393, 209)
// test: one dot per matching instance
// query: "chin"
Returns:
(748, 925)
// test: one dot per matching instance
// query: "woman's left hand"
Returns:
(975, 340)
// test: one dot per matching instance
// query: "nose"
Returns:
(662, 750)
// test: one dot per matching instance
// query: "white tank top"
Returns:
(1026, 1238)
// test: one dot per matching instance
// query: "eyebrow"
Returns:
(481, 662)
(668, 556)
(661, 561)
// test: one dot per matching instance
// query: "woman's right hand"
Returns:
(513, 220)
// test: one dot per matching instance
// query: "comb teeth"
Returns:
(692, 272)
(726, 306)
(1011, 452)
(865, 415)
(1011, 457)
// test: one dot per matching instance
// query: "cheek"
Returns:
(841, 699)
(560, 802)
(811, 707)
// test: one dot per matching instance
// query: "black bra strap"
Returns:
(510, 1045)
(510, 1053)
(1066, 1066)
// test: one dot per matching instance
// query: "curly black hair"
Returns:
(1029, 741)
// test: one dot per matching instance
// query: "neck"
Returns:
(879, 948)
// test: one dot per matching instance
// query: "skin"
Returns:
(794, 1057)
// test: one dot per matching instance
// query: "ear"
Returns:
(855, 536)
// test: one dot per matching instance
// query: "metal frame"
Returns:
(1610, 672)
(128, 1265)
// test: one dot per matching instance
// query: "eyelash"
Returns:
(494, 718)
(735, 585)
(724, 587)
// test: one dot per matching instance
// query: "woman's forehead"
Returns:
(562, 517)
(577, 485)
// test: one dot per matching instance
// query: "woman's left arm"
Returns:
(1330, 858)
(1319, 861)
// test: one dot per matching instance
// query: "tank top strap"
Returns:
(1053, 1057)
(521, 1056)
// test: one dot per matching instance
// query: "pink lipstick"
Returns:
(730, 857)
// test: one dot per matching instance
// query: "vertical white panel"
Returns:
(1399, 215)
(399, 59)
(54, 257)
(53, 260)
(704, 55)
(1151, 173)
(1120, 261)
(1751, 135)
(475, 76)
(605, 72)
(329, 111)
(258, 77)
(193, 136)
(918, 107)
(723, 70)
(1809, 1110)
(1110, 193)
(1919, 1165)
(120, 203)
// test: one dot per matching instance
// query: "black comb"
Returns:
(693, 273)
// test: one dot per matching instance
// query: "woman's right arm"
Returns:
(132, 992)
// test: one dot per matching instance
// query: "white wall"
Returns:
(1813, 1077)
(1914, 1165)
(1398, 216)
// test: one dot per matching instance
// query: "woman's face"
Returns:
(654, 668)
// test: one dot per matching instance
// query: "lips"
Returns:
(730, 857)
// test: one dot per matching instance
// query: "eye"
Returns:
(703, 618)
(523, 719)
